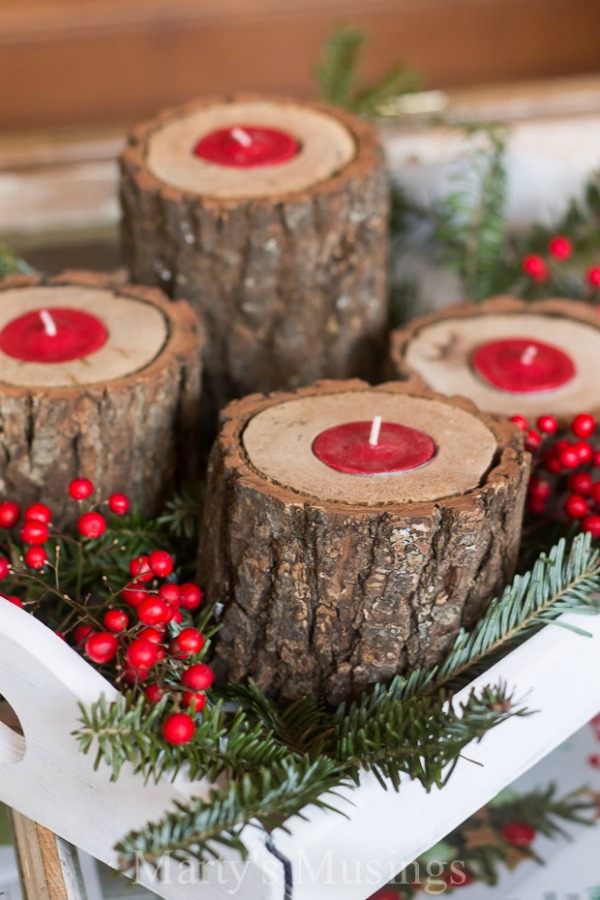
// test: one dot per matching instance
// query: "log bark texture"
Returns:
(327, 598)
(292, 286)
(434, 352)
(135, 434)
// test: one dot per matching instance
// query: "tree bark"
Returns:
(327, 598)
(292, 286)
(434, 351)
(134, 434)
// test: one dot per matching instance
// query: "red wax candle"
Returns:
(523, 365)
(247, 146)
(350, 448)
(53, 335)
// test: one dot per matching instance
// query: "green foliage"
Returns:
(410, 727)
(337, 79)
(10, 264)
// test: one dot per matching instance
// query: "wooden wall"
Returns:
(75, 62)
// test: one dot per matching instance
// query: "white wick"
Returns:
(48, 323)
(241, 136)
(529, 354)
(375, 429)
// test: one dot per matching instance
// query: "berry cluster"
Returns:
(563, 485)
(560, 249)
(142, 632)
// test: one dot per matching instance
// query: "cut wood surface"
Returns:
(132, 428)
(292, 285)
(328, 594)
(435, 351)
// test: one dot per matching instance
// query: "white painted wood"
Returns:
(556, 672)
(46, 777)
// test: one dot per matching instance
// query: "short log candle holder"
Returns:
(96, 380)
(508, 356)
(270, 217)
(342, 556)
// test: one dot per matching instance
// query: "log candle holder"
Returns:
(508, 356)
(96, 380)
(270, 217)
(332, 581)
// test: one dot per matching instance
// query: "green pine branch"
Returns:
(199, 830)
(11, 264)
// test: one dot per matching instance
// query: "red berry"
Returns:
(178, 618)
(170, 593)
(135, 675)
(560, 247)
(115, 620)
(591, 524)
(593, 276)
(595, 492)
(533, 441)
(519, 834)
(178, 728)
(39, 512)
(576, 506)
(596, 459)
(457, 877)
(386, 893)
(139, 567)
(34, 533)
(198, 677)
(536, 505)
(36, 557)
(521, 422)
(141, 654)
(553, 465)
(81, 633)
(195, 700)
(581, 483)
(118, 504)
(4, 567)
(101, 647)
(91, 525)
(161, 563)
(540, 488)
(134, 593)
(187, 643)
(547, 424)
(9, 514)
(584, 451)
(535, 267)
(80, 488)
(191, 596)
(150, 634)
(16, 601)
(154, 611)
(583, 425)
(154, 693)
(568, 457)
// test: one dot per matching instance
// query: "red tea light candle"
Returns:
(374, 448)
(523, 365)
(247, 146)
(53, 336)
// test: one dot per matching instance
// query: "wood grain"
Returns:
(162, 53)
(41, 869)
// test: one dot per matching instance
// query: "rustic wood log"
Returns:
(288, 264)
(332, 582)
(435, 351)
(125, 417)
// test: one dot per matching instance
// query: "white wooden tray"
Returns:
(45, 776)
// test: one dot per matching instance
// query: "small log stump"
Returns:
(331, 582)
(435, 351)
(124, 416)
(287, 263)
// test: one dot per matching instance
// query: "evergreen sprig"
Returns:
(337, 78)
(199, 829)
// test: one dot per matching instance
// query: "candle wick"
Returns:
(529, 354)
(48, 323)
(375, 429)
(241, 136)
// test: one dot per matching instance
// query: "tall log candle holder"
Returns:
(270, 217)
(96, 380)
(508, 356)
(331, 581)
